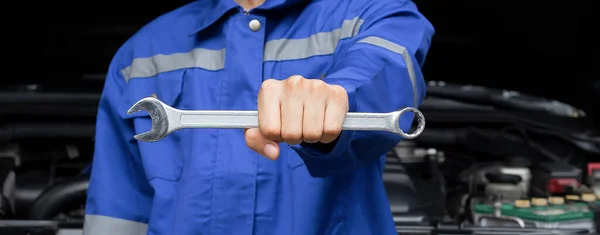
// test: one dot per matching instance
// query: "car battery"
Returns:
(555, 179)
(547, 213)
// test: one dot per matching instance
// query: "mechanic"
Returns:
(303, 65)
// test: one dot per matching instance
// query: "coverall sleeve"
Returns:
(119, 196)
(380, 68)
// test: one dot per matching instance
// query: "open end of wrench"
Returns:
(160, 124)
(420, 123)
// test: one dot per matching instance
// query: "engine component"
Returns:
(539, 201)
(556, 200)
(555, 179)
(519, 166)
(504, 186)
(498, 217)
(593, 176)
(522, 204)
(7, 186)
(588, 197)
(60, 197)
(537, 213)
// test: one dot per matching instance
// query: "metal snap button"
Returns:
(254, 25)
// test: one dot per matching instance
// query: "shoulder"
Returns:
(359, 7)
(166, 34)
(177, 22)
(381, 8)
(335, 11)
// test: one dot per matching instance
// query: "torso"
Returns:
(206, 180)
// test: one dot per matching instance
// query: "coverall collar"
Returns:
(212, 10)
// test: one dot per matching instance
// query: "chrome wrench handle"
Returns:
(249, 119)
(219, 119)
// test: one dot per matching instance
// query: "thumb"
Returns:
(257, 142)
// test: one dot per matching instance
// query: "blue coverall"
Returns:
(213, 55)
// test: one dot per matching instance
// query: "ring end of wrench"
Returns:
(420, 123)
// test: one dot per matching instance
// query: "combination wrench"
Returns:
(166, 119)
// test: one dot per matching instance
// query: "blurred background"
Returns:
(512, 88)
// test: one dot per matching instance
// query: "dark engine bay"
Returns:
(515, 165)
(506, 150)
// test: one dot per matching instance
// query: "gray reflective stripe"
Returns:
(377, 41)
(275, 50)
(197, 58)
(104, 225)
(317, 44)
(63, 231)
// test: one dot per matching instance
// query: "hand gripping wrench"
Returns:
(166, 119)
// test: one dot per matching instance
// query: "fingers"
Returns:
(335, 112)
(292, 110)
(260, 144)
(314, 112)
(269, 115)
(296, 110)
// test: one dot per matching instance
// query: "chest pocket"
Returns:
(161, 159)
